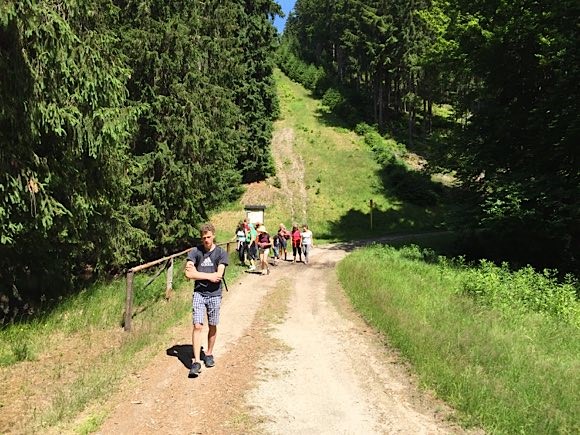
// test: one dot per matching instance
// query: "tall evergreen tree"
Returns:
(63, 144)
(510, 70)
(183, 57)
(255, 88)
(519, 152)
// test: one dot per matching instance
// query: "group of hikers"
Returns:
(206, 265)
(254, 243)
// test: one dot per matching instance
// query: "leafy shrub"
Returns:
(362, 128)
(412, 186)
(333, 99)
(386, 151)
(525, 290)
(310, 76)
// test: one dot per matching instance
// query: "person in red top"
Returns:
(296, 238)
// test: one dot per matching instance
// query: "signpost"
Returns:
(255, 213)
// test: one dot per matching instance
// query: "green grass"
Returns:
(100, 306)
(80, 317)
(509, 373)
(342, 176)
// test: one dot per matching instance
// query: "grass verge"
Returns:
(510, 372)
(54, 367)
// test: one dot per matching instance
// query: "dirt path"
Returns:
(292, 357)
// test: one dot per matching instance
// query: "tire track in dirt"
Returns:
(336, 375)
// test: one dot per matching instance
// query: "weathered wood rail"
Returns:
(128, 315)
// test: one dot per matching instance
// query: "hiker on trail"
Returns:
(206, 264)
(276, 248)
(296, 238)
(264, 245)
(283, 237)
(252, 246)
(307, 242)
(242, 246)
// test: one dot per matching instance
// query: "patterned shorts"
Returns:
(202, 304)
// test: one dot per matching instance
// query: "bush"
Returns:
(411, 186)
(362, 129)
(333, 99)
(524, 290)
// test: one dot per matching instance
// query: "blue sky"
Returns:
(287, 6)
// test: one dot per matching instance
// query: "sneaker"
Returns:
(252, 268)
(209, 362)
(195, 370)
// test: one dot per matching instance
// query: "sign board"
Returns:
(255, 213)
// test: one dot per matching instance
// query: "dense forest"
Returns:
(508, 74)
(122, 124)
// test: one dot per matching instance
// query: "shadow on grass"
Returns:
(356, 224)
(398, 179)
(406, 225)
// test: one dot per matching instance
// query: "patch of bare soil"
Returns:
(287, 187)
(291, 357)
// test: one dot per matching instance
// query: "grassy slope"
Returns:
(511, 372)
(342, 176)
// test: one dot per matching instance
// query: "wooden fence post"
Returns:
(128, 315)
(169, 280)
(129, 301)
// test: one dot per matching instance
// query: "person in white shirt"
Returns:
(307, 242)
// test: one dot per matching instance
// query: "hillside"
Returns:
(130, 381)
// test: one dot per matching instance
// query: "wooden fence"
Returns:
(128, 315)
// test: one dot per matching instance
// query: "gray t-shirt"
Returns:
(207, 262)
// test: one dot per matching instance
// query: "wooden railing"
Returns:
(128, 315)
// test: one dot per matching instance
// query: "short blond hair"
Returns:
(207, 228)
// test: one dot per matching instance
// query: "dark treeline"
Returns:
(122, 124)
(509, 70)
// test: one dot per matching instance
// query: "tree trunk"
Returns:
(381, 103)
(430, 116)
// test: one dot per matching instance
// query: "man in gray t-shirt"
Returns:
(206, 264)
